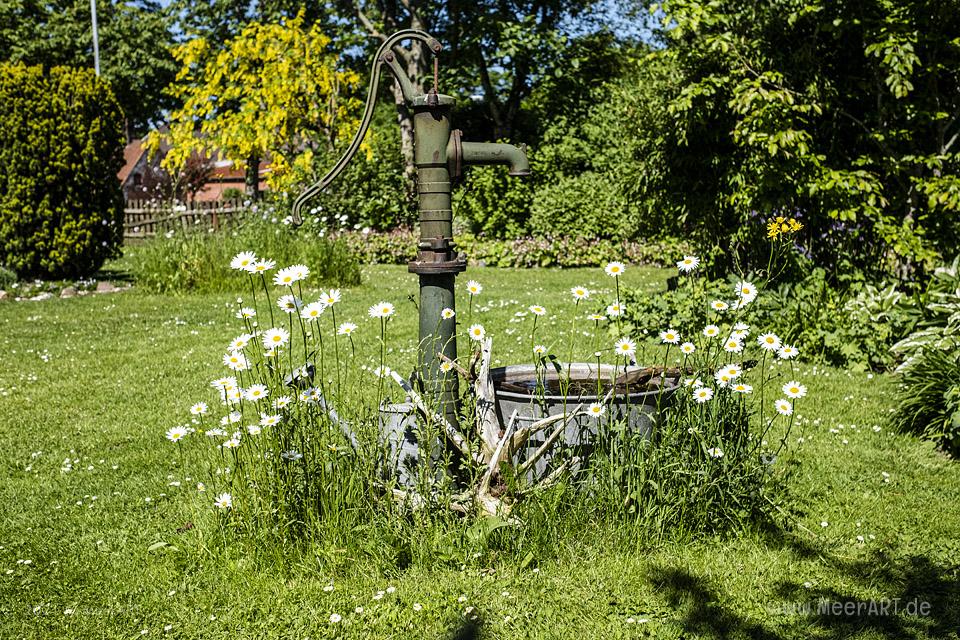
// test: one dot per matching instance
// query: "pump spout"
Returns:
(497, 153)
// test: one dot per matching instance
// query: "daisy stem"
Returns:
(336, 346)
(266, 293)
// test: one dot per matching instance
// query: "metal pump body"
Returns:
(440, 155)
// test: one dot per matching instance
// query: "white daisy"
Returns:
(769, 342)
(447, 313)
(580, 293)
(254, 429)
(670, 336)
(223, 501)
(346, 328)
(300, 271)
(687, 348)
(787, 352)
(289, 303)
(784, 408)
(285, 277)
(596, 317)
(236, 361)
(335, 618)
(282, 402)
(794, 390)
(477, 332)
(474, 288)
(275, 337)
(245, 313)
(732, 370)
(741, 388)
(746, 291)
(539, 350)
(614, 269)
(715, 452)
(381, 310)
(702, 394)
(719, 305)
(711, 331)
(331, 297)
(625, 347)
(596, 409)
(722, 378)
(243, 261)
(313, 310)
(382, 372)
(267, 420)
(291, 456)
(199, 409)
(537, 310)
(688, 264)
(224, 384)
(176, 434)
(614, 310)
(446, 367)
(240, 342)
(733, 345)
(256, 392)
(262, 266)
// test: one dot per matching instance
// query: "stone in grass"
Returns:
(68, 292)
(105, 286)
(4, 295)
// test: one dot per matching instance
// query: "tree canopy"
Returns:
(274, 91)
(134, 48)
(846, 114)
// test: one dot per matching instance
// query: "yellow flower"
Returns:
(781, 226)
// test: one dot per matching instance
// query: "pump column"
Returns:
(437, 262)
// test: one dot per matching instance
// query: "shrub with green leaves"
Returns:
(493, 203)
(588, 205)
(930, 397)
(61, 208)
(848, 323)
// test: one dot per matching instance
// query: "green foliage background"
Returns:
(61, 209)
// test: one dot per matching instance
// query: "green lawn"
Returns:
(88, 386)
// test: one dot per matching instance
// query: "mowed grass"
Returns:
(96, 381)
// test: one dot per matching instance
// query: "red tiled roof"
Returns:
(131, 156)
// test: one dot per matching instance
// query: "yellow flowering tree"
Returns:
(273, 92)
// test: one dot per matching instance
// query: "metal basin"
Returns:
(636, 411)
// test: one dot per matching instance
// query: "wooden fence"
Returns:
(146, 218)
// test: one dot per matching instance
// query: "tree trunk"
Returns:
(252, 178)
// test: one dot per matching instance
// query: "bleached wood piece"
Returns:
(455, 436)
(487, 424)
(549, 442)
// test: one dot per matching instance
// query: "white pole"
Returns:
(96, 43)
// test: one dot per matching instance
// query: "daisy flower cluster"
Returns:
(271, 411)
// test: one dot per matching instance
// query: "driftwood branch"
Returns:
(455, 436)
(549, 442)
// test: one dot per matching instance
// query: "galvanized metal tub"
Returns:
(400, 437)
(637, 411)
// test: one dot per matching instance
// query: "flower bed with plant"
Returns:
(290, 441)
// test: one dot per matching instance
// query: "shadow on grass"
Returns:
(915, 597)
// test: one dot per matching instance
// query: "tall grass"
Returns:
(196, 260)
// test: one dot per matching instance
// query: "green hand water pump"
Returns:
(440, 155)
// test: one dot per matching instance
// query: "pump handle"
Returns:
(380, 59)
